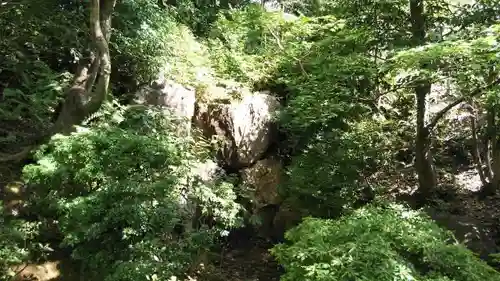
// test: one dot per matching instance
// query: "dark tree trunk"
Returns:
(476, 152)
(423, 159)
(494, 144)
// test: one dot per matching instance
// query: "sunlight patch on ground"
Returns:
(468, 180)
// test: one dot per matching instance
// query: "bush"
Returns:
(378, 242)
(121, 189)
(342, 181)
(148, 39)
(245, 44)
(18, 243)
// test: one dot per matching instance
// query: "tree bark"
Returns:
(84, 96)
(490, 130)
(494, 142)
(476, 155)
(423, 159)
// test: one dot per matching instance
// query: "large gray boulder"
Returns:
(244, 127)
(176, 99)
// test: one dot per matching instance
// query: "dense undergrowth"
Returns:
(122, 193)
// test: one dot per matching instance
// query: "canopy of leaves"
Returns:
(120, 187)
(378, 242)
(118, 191)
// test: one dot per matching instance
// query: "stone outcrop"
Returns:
(208, 171)
(174, 98)
(241, 123)
(263, 179)
(285, 219)
(244, 127)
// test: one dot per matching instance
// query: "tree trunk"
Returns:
(494, 143)
(476, 154)
(423, 159)
(83, 97)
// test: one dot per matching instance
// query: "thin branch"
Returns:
(278, 41)
(450, 106)
(4, 157)
(475, 144)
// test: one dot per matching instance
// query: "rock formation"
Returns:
(241, 122)
(177, 99)
(244, 127)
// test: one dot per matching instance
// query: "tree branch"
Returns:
(282, 48)
(450, 106)
(476, 155)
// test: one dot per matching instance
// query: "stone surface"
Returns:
(175, 98)
(285, 219)
(208, 171)
(244, 127)
(263, 179)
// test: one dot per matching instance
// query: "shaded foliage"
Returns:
(116, 211)
(378, 242)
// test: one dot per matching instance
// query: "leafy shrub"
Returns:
(378, 242)
(199, 15)
(28, 106)
(122, 187)
(37, 33)
(148, 39)
(347, 159)
(18, 243)
(244, 44)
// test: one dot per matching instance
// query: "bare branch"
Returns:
(4, 157)
(450, 106)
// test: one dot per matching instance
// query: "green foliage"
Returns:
(199, 15)
(37, 95)
(18, 243)
(466, 62)
(242, 45)
(36, 32)
(347, 160)
(378, 242)
(118, 190)
(148, 39)
(27, 107)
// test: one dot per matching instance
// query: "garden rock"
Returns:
(244, 127)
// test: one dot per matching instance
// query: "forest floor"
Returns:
(243, 260)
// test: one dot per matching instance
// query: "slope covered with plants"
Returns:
(326, 140)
